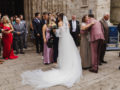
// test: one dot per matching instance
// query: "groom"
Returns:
(55, 41)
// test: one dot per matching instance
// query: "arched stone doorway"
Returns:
(12, 7)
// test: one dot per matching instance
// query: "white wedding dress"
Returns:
(69, 70)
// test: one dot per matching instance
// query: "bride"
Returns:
(69, 70)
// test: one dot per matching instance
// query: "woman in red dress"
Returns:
(7, 39)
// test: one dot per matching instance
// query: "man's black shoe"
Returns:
(22, 53)
(100, 64)
(17, 52)
(104, 62)
(38, 52)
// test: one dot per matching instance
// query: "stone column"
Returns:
(103, 6)
(115, 11)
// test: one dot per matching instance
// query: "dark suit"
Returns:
(118, 27)
(37, 25)
(119, 32)
(76, 33)
(0, 43)
(18, 39)
(55, 46)
(104, 44)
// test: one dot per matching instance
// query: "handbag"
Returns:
(51, 39)
(50, 42)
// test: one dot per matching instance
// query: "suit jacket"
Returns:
(77, 27)
(19, 28)
(57, 21)
(96, 31)
(105, 29)
(43, 22)
(24, 22)
(37, 25)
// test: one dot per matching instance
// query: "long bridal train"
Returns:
(69, 70)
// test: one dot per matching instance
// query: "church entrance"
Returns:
(12, 7)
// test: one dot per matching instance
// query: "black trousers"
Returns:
(18, 41)
(39, 44)
(75, 37)
(0, 46)
(25, 40)
(102, 52)
(55, 48)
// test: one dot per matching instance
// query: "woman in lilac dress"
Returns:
(48, 52)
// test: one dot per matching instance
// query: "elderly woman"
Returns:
(85, 44)
(7, 39)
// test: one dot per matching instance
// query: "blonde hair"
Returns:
(6, 18)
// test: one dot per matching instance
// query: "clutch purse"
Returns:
(50, 42)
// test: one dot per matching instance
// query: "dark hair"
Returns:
(84, 17)
(61, 15)
(45, 13)
(91, 15)
(36, 14)
(49, 13)
(57, 13)
(20, 15)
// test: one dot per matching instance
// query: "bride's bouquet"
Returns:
(50, 42)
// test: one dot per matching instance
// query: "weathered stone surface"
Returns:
(108, 77)
(71, 7)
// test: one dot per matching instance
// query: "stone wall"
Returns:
(73, 7)
(69, 7)
(115, 11)
(102, 7)
(33, 6)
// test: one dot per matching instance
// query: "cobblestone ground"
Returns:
(108, 77)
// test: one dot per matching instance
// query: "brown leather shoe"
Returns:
(94, 71)
(1, 62)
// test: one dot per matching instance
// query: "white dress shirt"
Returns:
(74, 26)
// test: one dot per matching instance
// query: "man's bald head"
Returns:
(73, 17)
(18, 20)
(106, 16)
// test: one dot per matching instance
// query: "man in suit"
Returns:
(0, 16)
(75, 29)
(55, 42)
(96, 37)
(105, 28)
(37, 26)
(19, 31)
(26, 31)
(1, 31)
(44, 18)
(119, 32)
